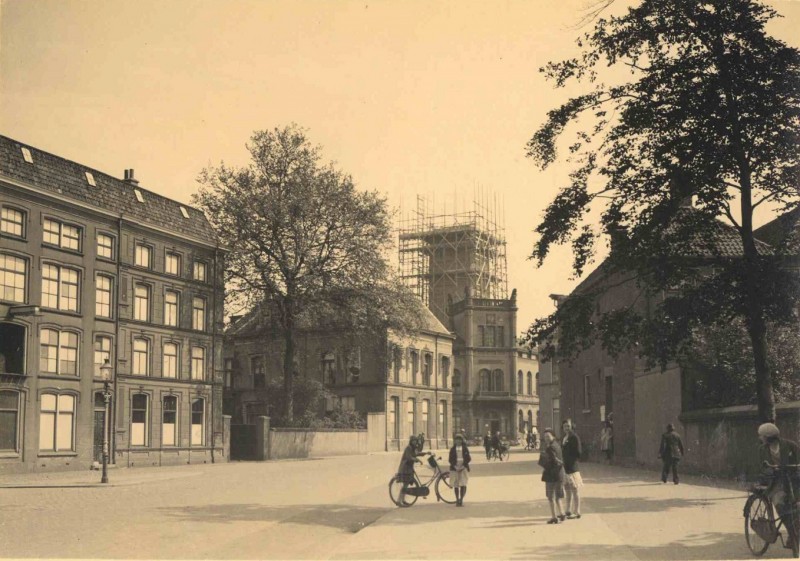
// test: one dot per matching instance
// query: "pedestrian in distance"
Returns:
(671, 451)
(459, 468)
(497, 445)
(607, 441)
(553, 475)
(487, 444)
(571, 449)
(420, 441)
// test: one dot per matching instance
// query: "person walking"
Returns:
(553, 474)
(459, 468)
(606, 440)
(671, 451)
(487, 444)
(571, 447)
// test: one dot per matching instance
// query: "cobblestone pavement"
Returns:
(339, 508)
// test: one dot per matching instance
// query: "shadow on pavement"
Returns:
(708, 545)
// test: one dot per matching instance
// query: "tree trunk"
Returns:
(288, 367)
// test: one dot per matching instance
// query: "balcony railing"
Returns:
(488, 393)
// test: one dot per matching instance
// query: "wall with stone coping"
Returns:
(316, 443)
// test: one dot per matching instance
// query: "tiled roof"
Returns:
(784, 229)
(721, 240)
(68, 179)
(431, 322)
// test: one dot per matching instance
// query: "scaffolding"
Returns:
(443, 256)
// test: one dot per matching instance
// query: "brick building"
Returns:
(407, 378)
(95, 268)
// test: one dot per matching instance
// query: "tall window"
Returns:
(329, 369)
(414, 359)
(456, 378)
(500, 337)
(143, 256)
(103, 294)
(12, 221)
(198, 363)
(141, 302)
(198, 418)
(426, 405)
(170, 361)
(497, 380)
(442, 418)
(445, 367)
(397, 360)
(258, 371)
(140, 416)
(172, 264)
(141, 357)
(105, 246)
(199, 271)
(61, 235)
(391, 418)
(102, 353)
(427, 368)
(411, 415)
(169, 420)
(60, 287)
(198, 314)
(9, 420)
(530, 384)
(12, 278)
(59, 352)
(520, 384)
(171, 308)
(227, 370)
(57, 423)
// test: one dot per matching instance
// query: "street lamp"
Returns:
(105, 374)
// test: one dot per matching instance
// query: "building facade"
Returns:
(95, 269)
(409, 379)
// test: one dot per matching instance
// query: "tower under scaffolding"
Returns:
(442, 256)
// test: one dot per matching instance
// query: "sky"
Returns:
(412, 98)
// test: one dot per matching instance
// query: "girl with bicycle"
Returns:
(777, 451)
(459, 468)
(405, 470)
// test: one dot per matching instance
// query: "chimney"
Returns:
(130, 179)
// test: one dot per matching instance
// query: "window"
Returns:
(65, 236)
(499, 336)
(172, 264)
(227, 371)
(497, 380)
(60, 288)
(141, 357)
(445, 370)
(57, 423)
(12, 221)
(426, 405)
(587, 398)
(139, 419)
(198, 314)
(397, 360)
(414, 359)
(26, 155)
(141, 302)
(9, 421)
(199, 271)
(198, 416)
(491, 381)
(347, 403)
(520, 384)
(139, 196)
(456, 379)
(329, 369)
(391, 418)
(411, 415)
(105, 246)
(169, 420)
(170, 361)
(481, 336)
(198, 363)
(12, 278)
(530, 384)
(259, 372)
(442, 419)
(184, 212)
(427, 367)
(102, 353)
(171, 308)
(103, 295)
(90, 179)
(143, 256)
(59, 352)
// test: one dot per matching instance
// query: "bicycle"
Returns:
(501, 454)
(440, 480)
(532, 445)
(760, 527)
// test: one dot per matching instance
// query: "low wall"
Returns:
(723, 442)
(316, 443)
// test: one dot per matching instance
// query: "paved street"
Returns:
(339, 509)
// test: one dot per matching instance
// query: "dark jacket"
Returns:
(572, 452)
(552, 462)
(406, 467)
(790, 455)
(487, 442)
(467, 457)
(496, 442)
(671, 446)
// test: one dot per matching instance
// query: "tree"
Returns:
(303, 241)
(712, 110)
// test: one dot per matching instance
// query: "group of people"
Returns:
(492, 443)
(459, 460)
(561, 474)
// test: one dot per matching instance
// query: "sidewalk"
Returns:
(91, 478)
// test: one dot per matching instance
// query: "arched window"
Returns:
(486, 380)
(170, 361)
(59, 352)
(57, 422)
(198, 422)
(497, 380)
(169, 421)
(140, 417)
(530, 384)
(521, 421)
(520, 387)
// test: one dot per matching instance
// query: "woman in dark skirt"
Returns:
(553, 474)
(459, 468)
(405, 470)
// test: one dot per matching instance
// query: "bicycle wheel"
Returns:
(444, 491)
(759, 524)
(395, 488)
(795, 529)
(504, 454)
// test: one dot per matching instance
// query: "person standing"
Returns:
(497, 445)
(780, 452)
(606, 440)
(487, 444)
(671, 451)
(553, 474)
(405, 471)
(571, 446)
(459, 468)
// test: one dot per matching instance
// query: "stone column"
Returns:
(262, 439)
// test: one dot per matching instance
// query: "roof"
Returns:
(68, 179)
(431, 323)
(784, 229)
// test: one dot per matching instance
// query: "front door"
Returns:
(495, 427)
(99, 427)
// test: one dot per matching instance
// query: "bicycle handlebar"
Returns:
(765, 463)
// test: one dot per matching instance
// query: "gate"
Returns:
(243, 442)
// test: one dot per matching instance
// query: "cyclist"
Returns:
(497, 445)
(406, 469)
(487, 444)
(777, 451)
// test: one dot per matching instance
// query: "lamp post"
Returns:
(105, 374)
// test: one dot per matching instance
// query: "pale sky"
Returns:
(409, 97)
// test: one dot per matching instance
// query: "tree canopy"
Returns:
(711, 110)
(302, 240)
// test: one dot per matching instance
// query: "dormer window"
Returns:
(184, 212)
(26, 154)
(90, 179)
(139, 196)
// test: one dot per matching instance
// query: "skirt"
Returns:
(573, 480)
(459, 478)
